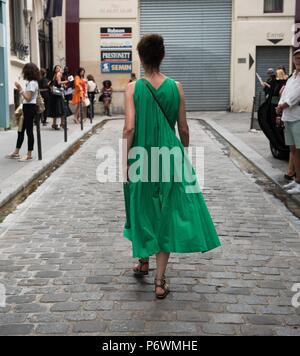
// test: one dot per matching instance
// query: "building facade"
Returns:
(214, 47)
(25, 36)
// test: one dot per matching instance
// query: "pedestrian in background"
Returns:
(107, 92)
(45, 93)
(92, 90)
(56, 103)
(80, 92)
(69, 87)
(161, 216)
(289, 105)
(31, 74)
(282, 78)
(270, 83)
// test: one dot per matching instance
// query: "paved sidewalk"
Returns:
(67, 268)
(15, 176)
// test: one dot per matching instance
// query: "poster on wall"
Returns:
(116, 56)
(116, 43)
(116, 32)
(116, 50)
(111, 67)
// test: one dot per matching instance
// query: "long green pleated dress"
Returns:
(160, 215)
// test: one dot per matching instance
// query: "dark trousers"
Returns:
(45, 96)
(91, 109)
(29, 112)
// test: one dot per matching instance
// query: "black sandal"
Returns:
(289, 178)
(139, 271)
(162, 285)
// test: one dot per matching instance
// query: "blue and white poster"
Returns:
(112, 67)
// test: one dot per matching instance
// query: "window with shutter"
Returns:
(273, 6)
(18, 29)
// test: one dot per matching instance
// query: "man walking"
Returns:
(290, 106)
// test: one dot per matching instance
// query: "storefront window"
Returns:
(273, 6)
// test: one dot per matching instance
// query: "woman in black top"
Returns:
(56, 103)
(69, 87)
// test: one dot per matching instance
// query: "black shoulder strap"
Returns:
(158, 103)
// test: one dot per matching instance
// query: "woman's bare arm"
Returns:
(59, 81)
(129, 127)
(183, 126)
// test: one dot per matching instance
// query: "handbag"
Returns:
(19, 117)
(40, 104)
(102, 97)
(56, 91)
(87, 102)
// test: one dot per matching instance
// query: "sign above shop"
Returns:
(275, 37)
(111, 67)
(116, 32)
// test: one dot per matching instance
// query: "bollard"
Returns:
(38, 130)
(66, 128)
(253, 113)
(259, 99)
(81, 114)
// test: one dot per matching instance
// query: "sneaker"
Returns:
(290, 185)
(295, 190)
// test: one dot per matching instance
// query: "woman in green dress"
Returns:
(162, 215)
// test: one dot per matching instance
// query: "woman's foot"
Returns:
(142, 268)
(13, 155)
(55, 127)
(161, 288)
(26, 159)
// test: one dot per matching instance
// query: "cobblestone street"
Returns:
(67, 268)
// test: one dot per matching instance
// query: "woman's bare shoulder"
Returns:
(180, 88)
(130, 88)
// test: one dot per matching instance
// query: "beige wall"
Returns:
(59, 38)
(251, 28)
(95, 14)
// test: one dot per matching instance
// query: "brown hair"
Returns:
(90, 78)
(151, 50)
(43, 72)
(31, 72)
